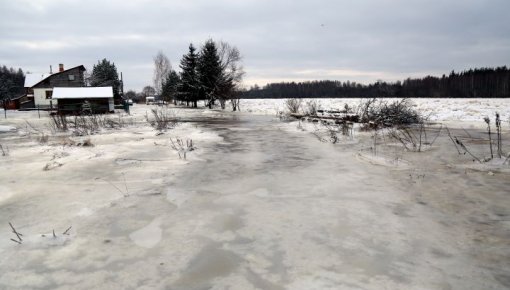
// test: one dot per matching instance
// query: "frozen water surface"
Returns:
(256, 206)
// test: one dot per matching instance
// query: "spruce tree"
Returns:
(189, 85)
(105, 74)
(209, 72)
(170, 86)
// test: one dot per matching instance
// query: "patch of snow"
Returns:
(5, 128)
(148, 236)
(85, 212)
(122, 161)
(5, 193)
(178, 198)
(46, 240)
(496, 165)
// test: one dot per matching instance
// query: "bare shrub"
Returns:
(66, 141)
(43, 138)
(58, 123)
(82, 125)
(347, 128)
(333, 137)
(330, 132)
(382, 113)
(293, 105)
(85, 143)
(162, 119)
(457, 141)
(414, 137)
(498, 134)
(461, 145)
(18, 234)
(5, 150)
(311, 108)
(125, 192)
(86, 124)
(52, 165)
(488, 122)
(407, 137)
(347, 109)
(182, 146)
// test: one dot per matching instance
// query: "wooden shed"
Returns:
(85, 100)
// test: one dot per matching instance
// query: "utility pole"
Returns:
(121, 85)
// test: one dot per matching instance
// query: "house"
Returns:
(86, 100)
(42, 91)
(27, 100)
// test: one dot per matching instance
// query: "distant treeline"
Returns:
(477, 83)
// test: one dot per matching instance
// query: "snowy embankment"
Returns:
(465, 110)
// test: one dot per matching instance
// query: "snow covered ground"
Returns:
(465, 110)
(260, 204)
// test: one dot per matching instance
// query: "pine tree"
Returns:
(105, 74)
(209, 72)
(170, 86)
(189, 85)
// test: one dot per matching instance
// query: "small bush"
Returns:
(84, 124)
(182, 146)
(162, 119)
(293, 105)
(43, 138)
(58, 123)
(311, 108)
(382, 113)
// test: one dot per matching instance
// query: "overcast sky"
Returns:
(356, 40)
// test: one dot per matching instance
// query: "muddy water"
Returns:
(266, 208)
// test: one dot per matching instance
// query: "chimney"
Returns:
(51, 70)
(60, 67)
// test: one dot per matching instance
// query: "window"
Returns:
(49, 94)
(71, 77)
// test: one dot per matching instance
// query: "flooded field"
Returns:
(258, 205)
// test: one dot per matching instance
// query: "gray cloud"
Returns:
(361, 40)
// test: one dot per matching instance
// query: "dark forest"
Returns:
(473, 83)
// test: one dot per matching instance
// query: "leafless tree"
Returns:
(162, 68)
(293, 105)
(232, 73)
(148, 91)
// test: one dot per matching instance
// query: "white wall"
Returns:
(40, 98)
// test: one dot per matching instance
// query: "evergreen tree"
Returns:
(105, 74)
(170, 86)
(209, 72)
(189, 85)
(11, 82)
